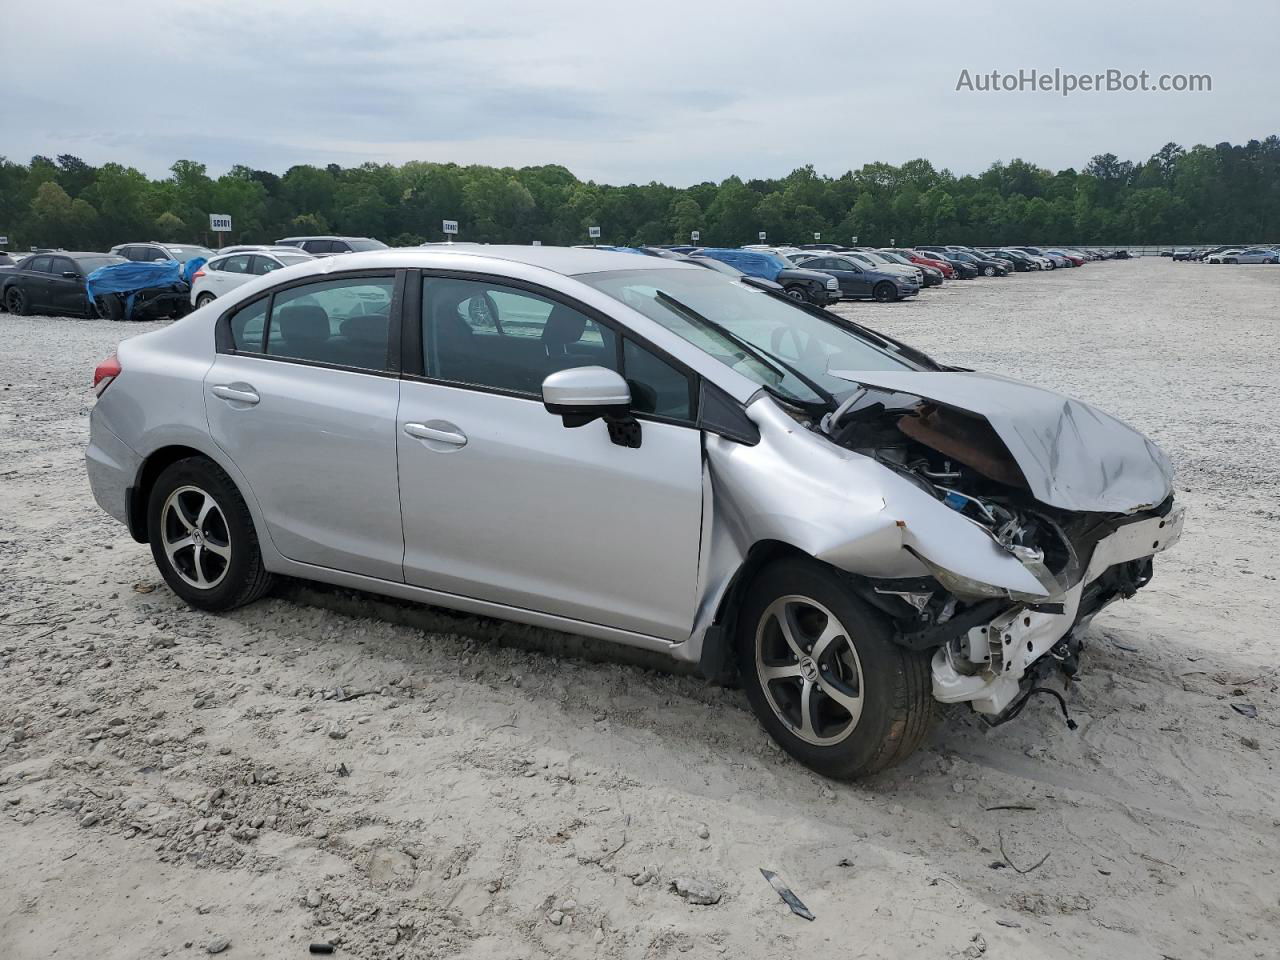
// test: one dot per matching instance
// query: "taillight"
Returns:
(198, 274)
(105, 373)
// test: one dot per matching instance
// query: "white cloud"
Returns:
(618, 92)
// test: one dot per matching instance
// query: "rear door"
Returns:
(505, 504)
(302, 397)
(36, 284)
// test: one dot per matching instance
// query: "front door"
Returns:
(503, 503)
(302, 397)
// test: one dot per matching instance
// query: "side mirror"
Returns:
(580, 395)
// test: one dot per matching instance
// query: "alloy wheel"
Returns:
(809, 670)
(195, 537)
(16, 302)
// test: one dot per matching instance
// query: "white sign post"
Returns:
(855, 239)
(537, 243)
(695, 236)
(893, 242)
(816, 235)
(594, 234)
(762, 236)
(4, 241)
(220, 223)
(450, 229)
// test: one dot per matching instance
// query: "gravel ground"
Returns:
(321, 767)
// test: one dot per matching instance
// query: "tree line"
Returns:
(1203, 194)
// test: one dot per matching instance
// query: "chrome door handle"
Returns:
(241, 394)
(421, 431)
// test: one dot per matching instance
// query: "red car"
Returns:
(920, 259)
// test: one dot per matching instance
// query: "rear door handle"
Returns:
(421, 431)
(240, 393)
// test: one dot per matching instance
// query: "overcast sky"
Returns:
(620, 91)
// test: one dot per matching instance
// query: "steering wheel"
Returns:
(484, 309)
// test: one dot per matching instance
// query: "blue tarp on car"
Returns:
(754, 263)
(132, 278)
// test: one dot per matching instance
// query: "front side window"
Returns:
(263, 265)
(476, 332)
(62, 265)
(345, 322)
(39, 264)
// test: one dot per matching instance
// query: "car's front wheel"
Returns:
(885, 292)
(202, 537)
(15, 301)
(797, 293)
(823, 674)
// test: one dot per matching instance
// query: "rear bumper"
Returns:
(112, 466)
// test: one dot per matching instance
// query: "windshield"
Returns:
(897, 258)
(367, 245)
(90, 264)
(773, 328)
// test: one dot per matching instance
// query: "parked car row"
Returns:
(818, 274)
(65, 282)
(1229, 254)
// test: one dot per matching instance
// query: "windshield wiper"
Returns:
(780, 367)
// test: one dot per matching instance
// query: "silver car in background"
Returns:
(640, 450)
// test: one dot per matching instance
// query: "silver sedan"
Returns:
(644, 451)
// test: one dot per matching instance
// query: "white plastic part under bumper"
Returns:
(1000, 652)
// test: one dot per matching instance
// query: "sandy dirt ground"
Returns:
(312, 769)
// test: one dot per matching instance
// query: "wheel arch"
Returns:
(164, 456)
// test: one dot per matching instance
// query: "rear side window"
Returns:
(343, 322)
(248, 325)
(236, 264)
(39, 264)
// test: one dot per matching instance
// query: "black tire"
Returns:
(238, 579)
(111, 307)
(15, 301)
(884, 292)
(897, 706)
(797, 293)
(204, 299)
(1231, 260)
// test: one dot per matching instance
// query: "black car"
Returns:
(963, 268)
(1020, 261)
(985, 265)
(861, 281)
(52, 283)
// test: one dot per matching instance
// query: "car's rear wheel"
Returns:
(202, 537)
(15, 301)
(884, 292)
(204, 299)
(1231, 260)
(823, 675)
(797, 293)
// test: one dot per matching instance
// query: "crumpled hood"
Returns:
(1073, 455)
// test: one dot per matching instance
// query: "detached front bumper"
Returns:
(985, 667)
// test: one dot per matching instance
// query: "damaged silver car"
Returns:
(639, 450)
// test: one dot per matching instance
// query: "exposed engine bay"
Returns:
(992, 641)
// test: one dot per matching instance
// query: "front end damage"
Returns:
(988, 519)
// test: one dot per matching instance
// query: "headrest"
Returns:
(303, 322)
(564, 326)
(371, 328)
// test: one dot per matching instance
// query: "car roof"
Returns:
(569, 261)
